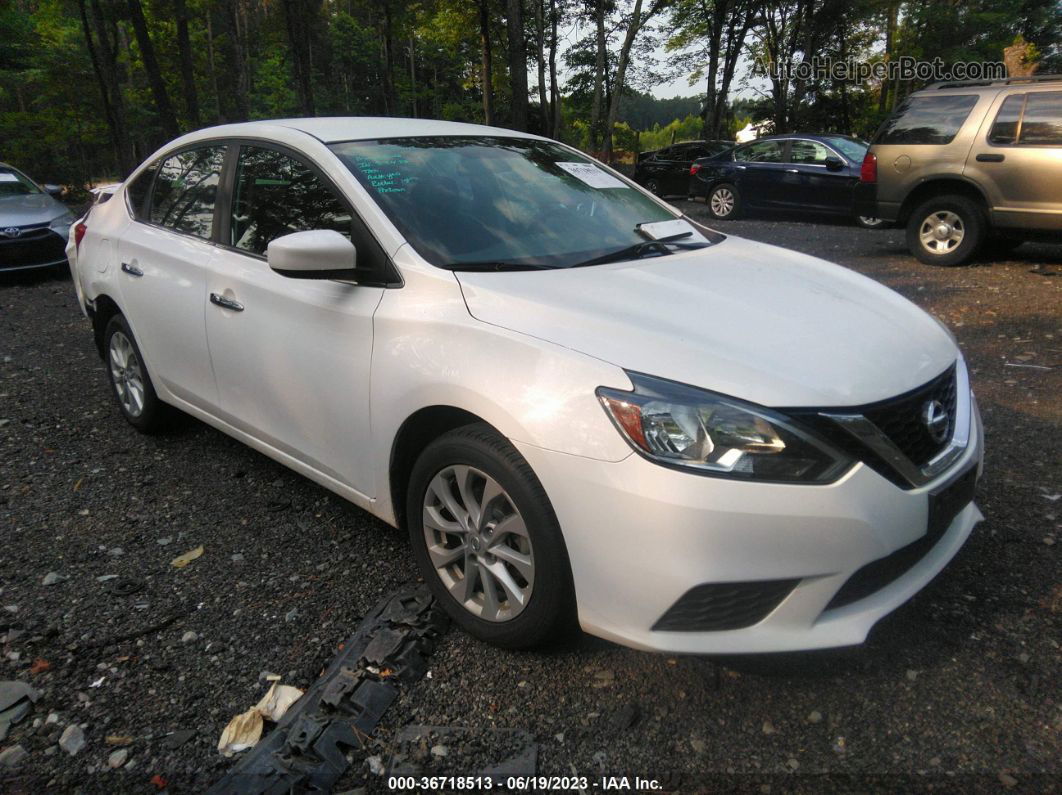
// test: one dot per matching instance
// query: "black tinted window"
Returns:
(1005, 128)
(927, 119)
(760, 152)
(185, 189)
(1042, 123)
(276, 195)
(137, 190)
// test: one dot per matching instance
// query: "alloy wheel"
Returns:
(478, 543)
(722, 202)
(126, 374)
(941, 232)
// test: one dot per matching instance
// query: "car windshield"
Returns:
(852, 149)
(12, 183)
(500, 202)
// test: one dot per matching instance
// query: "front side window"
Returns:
(465, 201)
(1041, 125)
(760, 152)
(927, 119)
(275, 195)
(851, 148)
(1005, 127)
(808, 153)
(15, 183)
(185, 191)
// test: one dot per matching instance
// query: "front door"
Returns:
(1018, 159)
(165, 255)
(291, 356)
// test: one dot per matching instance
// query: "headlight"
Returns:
(686, 427)
(61, 224)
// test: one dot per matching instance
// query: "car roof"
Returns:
(812, 136)
(333, 129)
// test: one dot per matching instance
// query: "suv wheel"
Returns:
(652, 186)
(946, 230)
(723, 202)
(487, 541)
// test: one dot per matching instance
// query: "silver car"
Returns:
(34, 226)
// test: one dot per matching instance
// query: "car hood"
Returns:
(745, 319)
(32, 208)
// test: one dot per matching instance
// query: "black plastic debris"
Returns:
(307, 751)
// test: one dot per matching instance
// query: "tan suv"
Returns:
(962, 163)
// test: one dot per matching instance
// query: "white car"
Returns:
(580, 403)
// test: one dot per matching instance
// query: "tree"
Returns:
(167, 118)
(517, 63)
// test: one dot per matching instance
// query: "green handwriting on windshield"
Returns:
(385, 176)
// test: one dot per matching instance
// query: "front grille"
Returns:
(944, 506)
(901, 418)
(713, 607)
(35, 246)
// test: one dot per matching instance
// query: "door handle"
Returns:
(793, 170)
(225, 303)
(990, 158)
(132, 270)
(742, 168)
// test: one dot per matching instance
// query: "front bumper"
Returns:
(640, 536)
(35, 247)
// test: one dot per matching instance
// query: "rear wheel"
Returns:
(652, 186)
(870, 222)
(946, 230)
(724, 202)
(487, 541)
(130, 383)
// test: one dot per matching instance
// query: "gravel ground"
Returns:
(955, 691)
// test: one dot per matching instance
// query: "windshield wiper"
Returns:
(491, 265)
(643, 249)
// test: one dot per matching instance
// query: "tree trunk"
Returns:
(540, 44)
(621, 76)
(235, 43)
(213, 69)
(184, 52)
(554, 89)
(599, 75)
(890, 41)
(103, 56)
(517, 63)
(390, 97)
(296, 19)
(167, 118)
(486, 73)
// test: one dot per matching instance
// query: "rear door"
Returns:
(760, 169)
(165, 255)
(292, 356)
(1017, 159)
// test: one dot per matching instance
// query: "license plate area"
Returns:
(945, 504)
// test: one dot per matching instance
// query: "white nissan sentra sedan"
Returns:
(581, 404)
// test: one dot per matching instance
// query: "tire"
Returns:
(962, 229)
(130, 383)
(996, 247)
(724, 202)
(652, 186)
(868, 222)
(477, 454)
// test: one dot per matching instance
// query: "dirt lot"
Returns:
(958, 690)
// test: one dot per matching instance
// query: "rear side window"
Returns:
(185, 190)
(760, 152)
(1005, 127)
(136, 192)
(927, 119)
(1041, 125)
(276, 195)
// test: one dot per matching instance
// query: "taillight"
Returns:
(695, 168)
(869, 170)
(79, 233)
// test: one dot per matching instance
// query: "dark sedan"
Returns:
(797, 172)
(665, 172)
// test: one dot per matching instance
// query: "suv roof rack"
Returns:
(1004, 82)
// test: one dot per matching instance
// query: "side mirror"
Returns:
(834, 164)
(316, 254)
(53, 190)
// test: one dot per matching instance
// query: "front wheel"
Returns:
(723, 201)
(946, 230)
(487, 541)
(870, 222)
(652, 186)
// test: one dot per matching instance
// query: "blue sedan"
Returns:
(794, 172)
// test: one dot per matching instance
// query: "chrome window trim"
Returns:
(873, 437)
